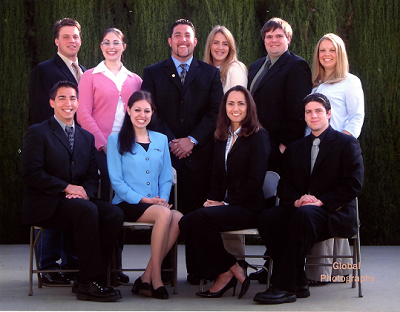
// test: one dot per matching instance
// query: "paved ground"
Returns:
(380, 262)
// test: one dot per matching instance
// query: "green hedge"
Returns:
(369, 28)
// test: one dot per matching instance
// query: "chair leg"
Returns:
(360, 293)
(174, 263)
(269, 272)
(30, 291)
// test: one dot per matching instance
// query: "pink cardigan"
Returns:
(98, 99)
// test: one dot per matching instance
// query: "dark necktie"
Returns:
(70, 133)
(260, 77)
(314, 152)
(183, 73)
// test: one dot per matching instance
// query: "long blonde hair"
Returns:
(342, 64)
(230, 58)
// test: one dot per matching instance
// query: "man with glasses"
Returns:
(322, 175)
(63, 66)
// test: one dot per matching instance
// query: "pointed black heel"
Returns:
(246, 282)
(209, 294)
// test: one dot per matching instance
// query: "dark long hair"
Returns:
(126, 136)
(250, 123)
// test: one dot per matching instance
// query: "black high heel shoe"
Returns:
(160, 293)
(246, 282)
(140, 287)
(209, 294)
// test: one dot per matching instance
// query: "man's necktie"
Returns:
(314, 152)
(183, 73)
(70, 132)
(78, 74)
(260, 77)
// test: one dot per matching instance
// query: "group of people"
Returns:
(221, 129)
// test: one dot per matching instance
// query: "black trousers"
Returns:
(104, 177)
(94, 226)
(202, 228)
(289, 234)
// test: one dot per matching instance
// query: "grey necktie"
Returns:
(314, 152)
(77, 71)
(70, 133)
(183, 73)
(260, 77)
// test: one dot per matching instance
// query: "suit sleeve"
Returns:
(39, 88)
(297, 87)
(32, 166)
(159, 125)
(91, 180)
(260, 151)
(217, 191)
(351, 181)
(207, 124)
(165, 178)
(85, 109)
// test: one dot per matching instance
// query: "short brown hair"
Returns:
(250, 123)
(275, 23)
(65, 22)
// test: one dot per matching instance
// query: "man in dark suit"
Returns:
(67, 37)
(322, 175)
(278, 83)
(187, 101)
(59, 169)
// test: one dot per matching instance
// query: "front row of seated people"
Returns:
(60, 174)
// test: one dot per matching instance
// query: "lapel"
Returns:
(275, 68)
(171, 72)
(255, 69)
(235, 146)
(192, 73)
(78, 139)
(324, 148)
(59, 133)
(64, 68)
(305, 156)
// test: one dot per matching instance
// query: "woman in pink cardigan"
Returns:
(104, 92)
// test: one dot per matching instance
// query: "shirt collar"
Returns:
(67, 60)
(321, 136)
(63, 124)
(177, 62)
(101, 68)
(236, 133)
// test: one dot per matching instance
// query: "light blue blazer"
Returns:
(140, 174)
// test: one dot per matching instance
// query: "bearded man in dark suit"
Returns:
(60, 173)
(322, 175)
(187, 101)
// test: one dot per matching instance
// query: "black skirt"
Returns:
(133, 212)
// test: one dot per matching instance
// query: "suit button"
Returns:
(148, 195)
(148, 183)
(147, 158)
(147, 171)
(73, 163)
(182, 119)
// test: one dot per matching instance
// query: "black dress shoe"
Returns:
(93, 291)
(54, 279)
(142, 288)
(122, 278)
(245, 287)
(275, 296)
(160, 293)
(194, 280)
(75, 289)
(217, 294)
(302, 292)
(261, 276)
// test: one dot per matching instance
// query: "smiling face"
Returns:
(236, 108)
(316, 117)
(112, 47)
(182, 42)
(69, 42)
(276, 43)
(327, 55)
(65, 104)
(219, 49)
(140, 114)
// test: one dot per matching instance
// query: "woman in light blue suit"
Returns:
(140, 170)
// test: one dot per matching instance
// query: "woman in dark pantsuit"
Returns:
(240, 163)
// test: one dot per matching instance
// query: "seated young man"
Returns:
(322, 175)
(59, 169)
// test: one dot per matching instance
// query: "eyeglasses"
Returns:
(108, 43)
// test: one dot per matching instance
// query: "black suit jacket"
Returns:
(246, 169)
(279, 97)
(336, 180)
(43, 77)
(186, 110)
(48, 166)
